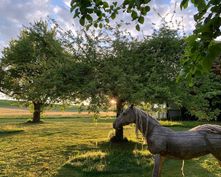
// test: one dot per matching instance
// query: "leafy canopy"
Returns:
(29, 64)
(201, 48)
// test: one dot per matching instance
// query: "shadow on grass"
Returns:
(106, 159)
(124, 160)
(10, 132)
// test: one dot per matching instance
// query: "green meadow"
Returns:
(80, 147)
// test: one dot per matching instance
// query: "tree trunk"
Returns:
(37, 112)
(119, 133)
(167, 109)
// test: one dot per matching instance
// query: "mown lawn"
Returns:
(79, 147)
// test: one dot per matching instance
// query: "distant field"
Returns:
(10, 108)
(10, 112)
(10, 104)
(21, 105)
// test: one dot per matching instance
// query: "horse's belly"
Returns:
(187, 148)
(214, 141)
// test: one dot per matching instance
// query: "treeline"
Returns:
(45, 65)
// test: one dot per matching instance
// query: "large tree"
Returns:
(118, 73)
(29, 67)
(208, 21)
(202, 100)
(159, 64)
(130, 71)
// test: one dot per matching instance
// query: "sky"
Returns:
(15, 14)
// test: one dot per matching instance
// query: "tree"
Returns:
(144, 71)
(127, 70)
(29, 67)
(202, 100)
(109, 70)
(203, 49)
(159, 64)
(118, 75)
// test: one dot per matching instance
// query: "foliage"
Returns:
(99, 12)
(134, 71)
(159, 57)
(29, 65)
(201, 50)
(203, 98)
(118, 74)
(117, 66)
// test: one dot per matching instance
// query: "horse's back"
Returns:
(209, 128)
(212, 135)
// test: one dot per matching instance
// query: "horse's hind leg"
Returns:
(158, 164)
(182, 168)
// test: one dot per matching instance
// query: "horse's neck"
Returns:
(146, 124)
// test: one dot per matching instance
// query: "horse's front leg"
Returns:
(158, 164)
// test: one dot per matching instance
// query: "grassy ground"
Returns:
(79, 147)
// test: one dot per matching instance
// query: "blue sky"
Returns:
(14, 14)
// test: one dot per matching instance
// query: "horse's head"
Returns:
(125, 118)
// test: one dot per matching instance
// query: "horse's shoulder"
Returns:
(209, 128)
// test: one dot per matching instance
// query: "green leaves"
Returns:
(184, 4)
(214, 52)
(105, 10)
(138, 27)
(207, 28)
(113, 16)
(134, 15)
(144, 10)
(105, 5)
(89, 18)
(82, 20)
(201, 49)
(141, 19)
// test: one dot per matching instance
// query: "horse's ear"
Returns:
(132, 106)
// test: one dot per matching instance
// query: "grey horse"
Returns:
(166, 143)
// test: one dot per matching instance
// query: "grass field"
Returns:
(80, 147)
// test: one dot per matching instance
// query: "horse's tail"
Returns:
(209, 128)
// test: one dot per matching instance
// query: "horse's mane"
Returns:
(139, 121)
(216, 129)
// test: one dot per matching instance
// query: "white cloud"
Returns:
(67, 3)
(15, 14)
(57, 9)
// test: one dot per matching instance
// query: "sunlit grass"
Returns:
(80, 147)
